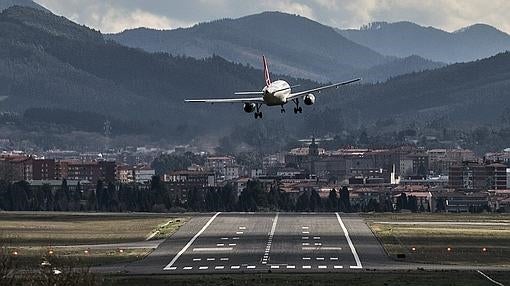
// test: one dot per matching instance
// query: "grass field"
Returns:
(31, 236)
(438, 238)
(468, 278)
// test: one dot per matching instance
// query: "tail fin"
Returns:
(266, 71)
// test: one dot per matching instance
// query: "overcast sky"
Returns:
(118, 15)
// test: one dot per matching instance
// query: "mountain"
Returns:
(460, 95)
(51, 65)
(293, 44)
(398, 67)
(4, 4)
(402, 39)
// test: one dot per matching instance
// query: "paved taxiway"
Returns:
(263, 242)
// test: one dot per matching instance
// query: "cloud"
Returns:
(117, 15)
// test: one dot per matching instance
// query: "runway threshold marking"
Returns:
(212, 249)
(191, 241)
(351, 245)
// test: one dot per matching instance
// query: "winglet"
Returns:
(266, 71)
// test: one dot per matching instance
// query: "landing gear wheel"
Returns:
(256, 115)
(282, 111)
(300, 110)
(260, 115)
(295, 110)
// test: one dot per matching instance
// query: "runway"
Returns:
(266, 242)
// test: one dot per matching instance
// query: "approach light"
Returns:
(484, 249)
(86, 251)
(449, 249)
(15, 253)
(50, 252)
(121, 250)
(413, 249)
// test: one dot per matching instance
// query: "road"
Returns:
(266, 242)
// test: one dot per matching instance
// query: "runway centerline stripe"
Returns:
(349, 241)
(270, 239)
(191, 242)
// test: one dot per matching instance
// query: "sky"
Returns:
(111, 16)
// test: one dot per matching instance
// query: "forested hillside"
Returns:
(403, 39)
(294, 45)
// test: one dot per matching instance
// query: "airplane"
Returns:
(273, 94)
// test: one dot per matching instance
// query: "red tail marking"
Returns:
(266, 72)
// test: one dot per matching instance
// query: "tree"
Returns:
(345, 202)
(332, 202)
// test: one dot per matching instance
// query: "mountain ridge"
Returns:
(404, 38)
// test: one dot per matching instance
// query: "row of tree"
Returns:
(257, 196)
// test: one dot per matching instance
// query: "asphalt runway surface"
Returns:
(266, 242)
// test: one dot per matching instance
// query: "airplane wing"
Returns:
(319, 89)
(227, 100)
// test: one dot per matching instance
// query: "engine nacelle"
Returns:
(309, 99)
(249, 107)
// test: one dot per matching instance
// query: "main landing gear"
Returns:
(297, 108)
(282, 110)
(258, 113)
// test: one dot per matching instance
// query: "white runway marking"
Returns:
(304, 237)
(251, 266)
(291, 267)
(224, 238)
(203, 267)
(219, 267)
(235, 267)
(320, 258)
(242, 227)
(307, 266)
(316, 237)
(305, 232)
(187, 268)
(191, 241)
(304, 227)
(231, 244)
(355, 267)
(338, 267)
(323, 266)
(197, 259)
(235, 238)
(275, 266)
(490, 279)
(224, 259)
(348, 238)
(318, 244)
(172, 268)
(306, 243)
(211, 259)
(212, 249)
(239, 232)
(270, 239)
(306, 258)
(220, 244)
(333, 258)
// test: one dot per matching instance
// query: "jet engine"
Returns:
(309, 99)
(249, 107)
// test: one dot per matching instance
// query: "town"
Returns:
(307, 178)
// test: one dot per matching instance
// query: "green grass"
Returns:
(33, 235)
(467, 278)
(48, 229)
(430, 243)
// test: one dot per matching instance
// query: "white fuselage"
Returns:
(276, 93)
